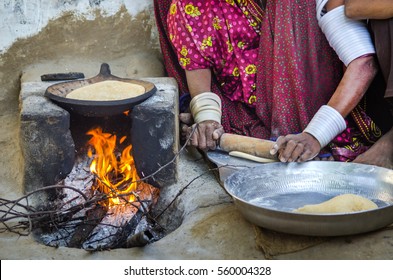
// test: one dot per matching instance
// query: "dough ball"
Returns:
(344, 203)
(107, 91)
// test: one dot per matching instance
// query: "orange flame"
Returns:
(116, 177)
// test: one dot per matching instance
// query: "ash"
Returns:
(108, 233)
(81, 179)
(110, 229)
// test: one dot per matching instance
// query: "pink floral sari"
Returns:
(273, 69)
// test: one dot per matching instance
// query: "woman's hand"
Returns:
(296, 147)
(203, 135)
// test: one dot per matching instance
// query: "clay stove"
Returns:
(53, 141)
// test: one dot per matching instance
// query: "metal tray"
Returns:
(267, 194)
(228, 164)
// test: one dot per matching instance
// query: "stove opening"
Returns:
(99, 178)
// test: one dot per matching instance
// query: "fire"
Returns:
(116, 176)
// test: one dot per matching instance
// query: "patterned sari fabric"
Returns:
(273, 69)
(172, 66)
(217, 35)
(360, 134)
(297, 69)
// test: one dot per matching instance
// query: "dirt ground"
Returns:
(211, 227)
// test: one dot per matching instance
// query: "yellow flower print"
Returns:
(192, 10)
(230, 46)
(252, 99)
(171, 37)
(189, 28)
(251, 69)
(207, 42)
(232, 2)
(236, 72)
(375, 129)
(173, 9)
(184, 61)
(216, 23)
(240, 45)
(184, 51)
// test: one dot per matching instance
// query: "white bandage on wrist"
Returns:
(326, 124)
(206, 106)
(349, 38)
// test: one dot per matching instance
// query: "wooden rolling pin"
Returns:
(247, 145)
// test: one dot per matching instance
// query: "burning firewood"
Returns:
(92, 219)
(83, 215)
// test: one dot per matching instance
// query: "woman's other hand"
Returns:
(204, 135)
(296, 147)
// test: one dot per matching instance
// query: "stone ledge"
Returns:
(46, 143)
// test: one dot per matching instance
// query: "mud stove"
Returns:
(135, 152)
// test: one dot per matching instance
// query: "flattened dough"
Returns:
(344, 203)
(251, 157)
(107, 91)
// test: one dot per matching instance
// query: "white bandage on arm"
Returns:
(206, 106)
(349, 38)
(326, 124)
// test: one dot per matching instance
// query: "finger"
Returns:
(201, 137)
(210, 142)
(184, 128)
(186, 118)
(279, 143)
(183, 132)
(307, 155)
(296, 153)
(217, 133)
(192, 134)
(286, 153)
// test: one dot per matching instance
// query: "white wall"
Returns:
(24, 18)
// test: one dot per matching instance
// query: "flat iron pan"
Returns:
(58, 92)
(266, 195)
